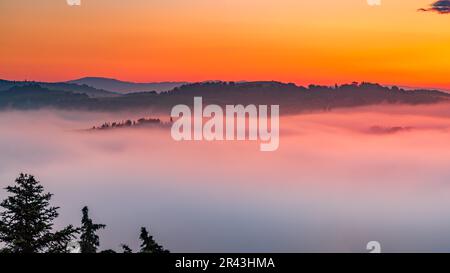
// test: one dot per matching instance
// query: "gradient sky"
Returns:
(320, 41)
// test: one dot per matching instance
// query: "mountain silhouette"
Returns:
(290, 97)
(126, 87)
(34, 96)
(59, 86)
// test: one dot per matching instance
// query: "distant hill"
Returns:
(126, 87)
(60, 86)
(34, 96)
(290, 97)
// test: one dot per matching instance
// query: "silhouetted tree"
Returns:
(89, 240)
(27, 220)
(126, 249)
(148, 244)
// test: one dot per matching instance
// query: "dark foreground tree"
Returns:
(126, 249)
(89, 240)
(26, 223)
(148, 244)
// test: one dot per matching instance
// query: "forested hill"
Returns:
(290, 97)
(59, 86)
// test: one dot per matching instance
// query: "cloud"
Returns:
(441, 6)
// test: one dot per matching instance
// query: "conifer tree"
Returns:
(126, 249)
(89, 240)
(26, 222)
(148, 244)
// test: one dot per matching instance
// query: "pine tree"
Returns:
(148, 244)
(126, 249)
(89, 240)
(26, 223)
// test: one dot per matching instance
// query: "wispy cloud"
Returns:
(441, 6)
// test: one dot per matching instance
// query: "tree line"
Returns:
(26, 225)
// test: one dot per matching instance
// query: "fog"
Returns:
(338, 180)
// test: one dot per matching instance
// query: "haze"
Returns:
(334, 184)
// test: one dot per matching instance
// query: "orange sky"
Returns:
(315, 41)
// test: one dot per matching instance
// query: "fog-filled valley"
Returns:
(339, 179)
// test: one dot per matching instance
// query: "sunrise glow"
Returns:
(324, 42)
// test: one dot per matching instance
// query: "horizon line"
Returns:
(404, 86)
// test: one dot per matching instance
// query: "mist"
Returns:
(338, 180)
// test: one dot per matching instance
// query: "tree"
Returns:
(126, 249)
(148, 244)
(26, 223)
(89, 240)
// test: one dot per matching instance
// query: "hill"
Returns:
(290, 97)
(59, 86)
(34, 96)
(126, 87)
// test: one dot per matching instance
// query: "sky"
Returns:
(320, 41)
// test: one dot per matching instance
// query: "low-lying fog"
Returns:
(338, 180)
